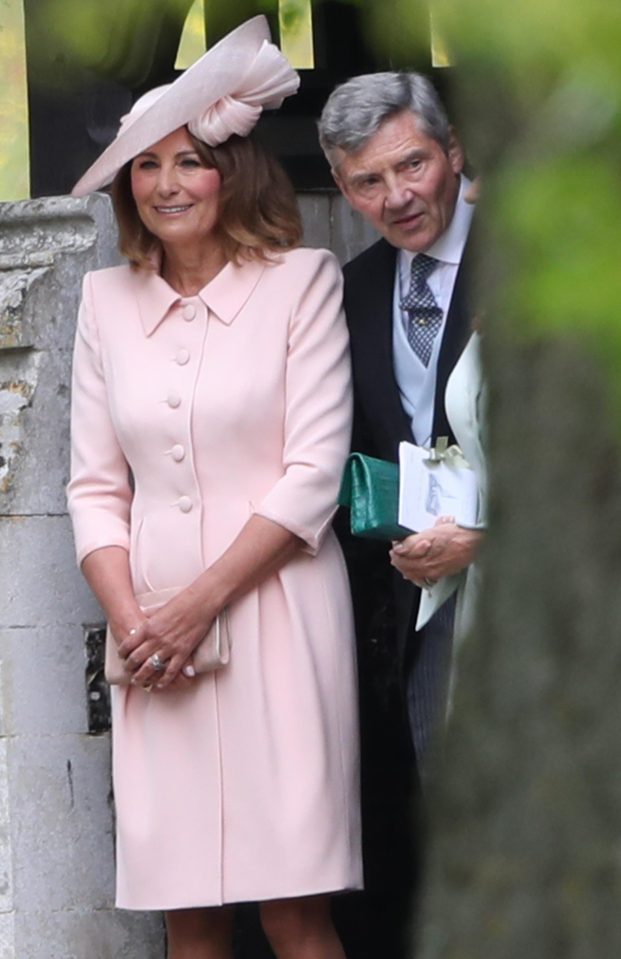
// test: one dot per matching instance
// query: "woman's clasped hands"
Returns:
(158, 650)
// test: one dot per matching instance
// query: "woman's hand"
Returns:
(167, 636)
(170, 634)
(108, 574)
(442, 550)
(173, 632)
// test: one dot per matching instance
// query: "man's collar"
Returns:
(224, 296)
(449, 247)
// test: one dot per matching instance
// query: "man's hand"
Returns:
(442, 550)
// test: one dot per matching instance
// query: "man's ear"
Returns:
(455, 152)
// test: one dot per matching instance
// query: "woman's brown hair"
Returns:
(258, 212)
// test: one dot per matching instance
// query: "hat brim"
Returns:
(212, 76)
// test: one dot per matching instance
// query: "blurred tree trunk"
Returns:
(525, 857)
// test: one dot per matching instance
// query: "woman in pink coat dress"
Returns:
(210, 424)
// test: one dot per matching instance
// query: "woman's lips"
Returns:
(169, 210)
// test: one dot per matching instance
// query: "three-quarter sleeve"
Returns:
(99, 492)
(317, 428)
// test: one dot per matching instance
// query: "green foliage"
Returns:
(400, 30)
(534, 39)
(562, 219)
(116, 38)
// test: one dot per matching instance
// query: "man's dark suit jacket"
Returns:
(386, 606)
(380, 422)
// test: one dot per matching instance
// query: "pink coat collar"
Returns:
(224, 296)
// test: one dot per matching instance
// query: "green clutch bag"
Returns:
(370, 488)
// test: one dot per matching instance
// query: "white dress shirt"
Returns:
(416, 382)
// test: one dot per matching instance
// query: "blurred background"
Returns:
(73, 67)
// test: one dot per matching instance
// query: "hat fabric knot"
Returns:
(267, 82)
(226, 117)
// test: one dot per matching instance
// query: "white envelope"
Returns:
(434, 484)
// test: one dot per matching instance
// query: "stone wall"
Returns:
(56, 817)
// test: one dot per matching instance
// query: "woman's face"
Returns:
(176, 195)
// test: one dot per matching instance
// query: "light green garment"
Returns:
(465, 408)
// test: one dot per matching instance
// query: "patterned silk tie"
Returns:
(424, 314)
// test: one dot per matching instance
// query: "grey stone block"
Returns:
(49, 226)
(40, 580)
(62, 825)
(85, 934)
(16, 286)
(42, 681)
(7, 935)
(34, 432)
(6, 852)
(46, 247)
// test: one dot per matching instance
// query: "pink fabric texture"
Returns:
(227, 403)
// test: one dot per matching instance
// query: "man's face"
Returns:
(402, 182)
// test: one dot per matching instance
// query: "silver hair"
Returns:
(355, 110)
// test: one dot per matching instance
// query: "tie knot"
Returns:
(419, 293)
(422, 268)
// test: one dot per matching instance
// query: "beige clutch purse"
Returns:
(213, 651)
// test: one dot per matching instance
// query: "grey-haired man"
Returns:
(398, 162)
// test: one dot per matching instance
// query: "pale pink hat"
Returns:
(221, 94)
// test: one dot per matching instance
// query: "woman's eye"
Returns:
(190, 163)
(146, 164)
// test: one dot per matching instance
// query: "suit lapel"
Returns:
(368, 303)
